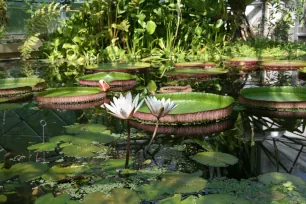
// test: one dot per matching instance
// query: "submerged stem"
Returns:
(154, 134)
(128, 146)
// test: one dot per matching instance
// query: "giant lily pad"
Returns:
(118, 195)
(197, 74)
(277, 178)
(83, 150)
(20, 85)
(60, 172)
(283, 65)
(25, 171)
(215, 159)
(186, 130)
(274, 97)
(221, 199)
(192, 107)
(70, 95)
(195, 64)
(250, 63)
(119, 67)
(117, 81)
(171, 183)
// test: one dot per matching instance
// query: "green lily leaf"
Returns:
(43, 147)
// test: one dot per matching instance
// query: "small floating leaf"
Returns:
(85, 128)
(62, 138)
(43, 147)
(59, 172)
(26, 171)
(221, 198)
(118, 195)
(83, 150)
(190, 200)
(61, 199)
(176, 199)
(277, 178)
(3, 198)
(215, 159)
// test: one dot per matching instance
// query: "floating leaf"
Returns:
(215, 159)
(43, 147)
(26, 171)
(83, 150)
(50, 199)
(85, 128)
(190, 200)
(118, 195)
(62, 138)
(59, 172)
(111, 166)
(3, 198)
(176, 199)
(277, 178)
(221, 198)
(171, 183)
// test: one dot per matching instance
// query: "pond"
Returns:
(80, 156)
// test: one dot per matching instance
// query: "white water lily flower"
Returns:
(124, 107)
(160, 108)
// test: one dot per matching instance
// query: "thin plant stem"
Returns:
(154, 134)
(128, 146)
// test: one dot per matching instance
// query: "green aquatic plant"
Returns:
(3, 198)
(278, 178)
(43, 147)
(84, 150)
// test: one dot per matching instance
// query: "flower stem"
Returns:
(128, 146)
(154, 134)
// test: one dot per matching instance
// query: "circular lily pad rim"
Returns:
(192, 130)
(206, 75)
(275, 113)
(98, 96)
(272, 65)
(38, 86)
(205, 65)
(140, 68)
(209, 115)
(115, 85)
(272, 104)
